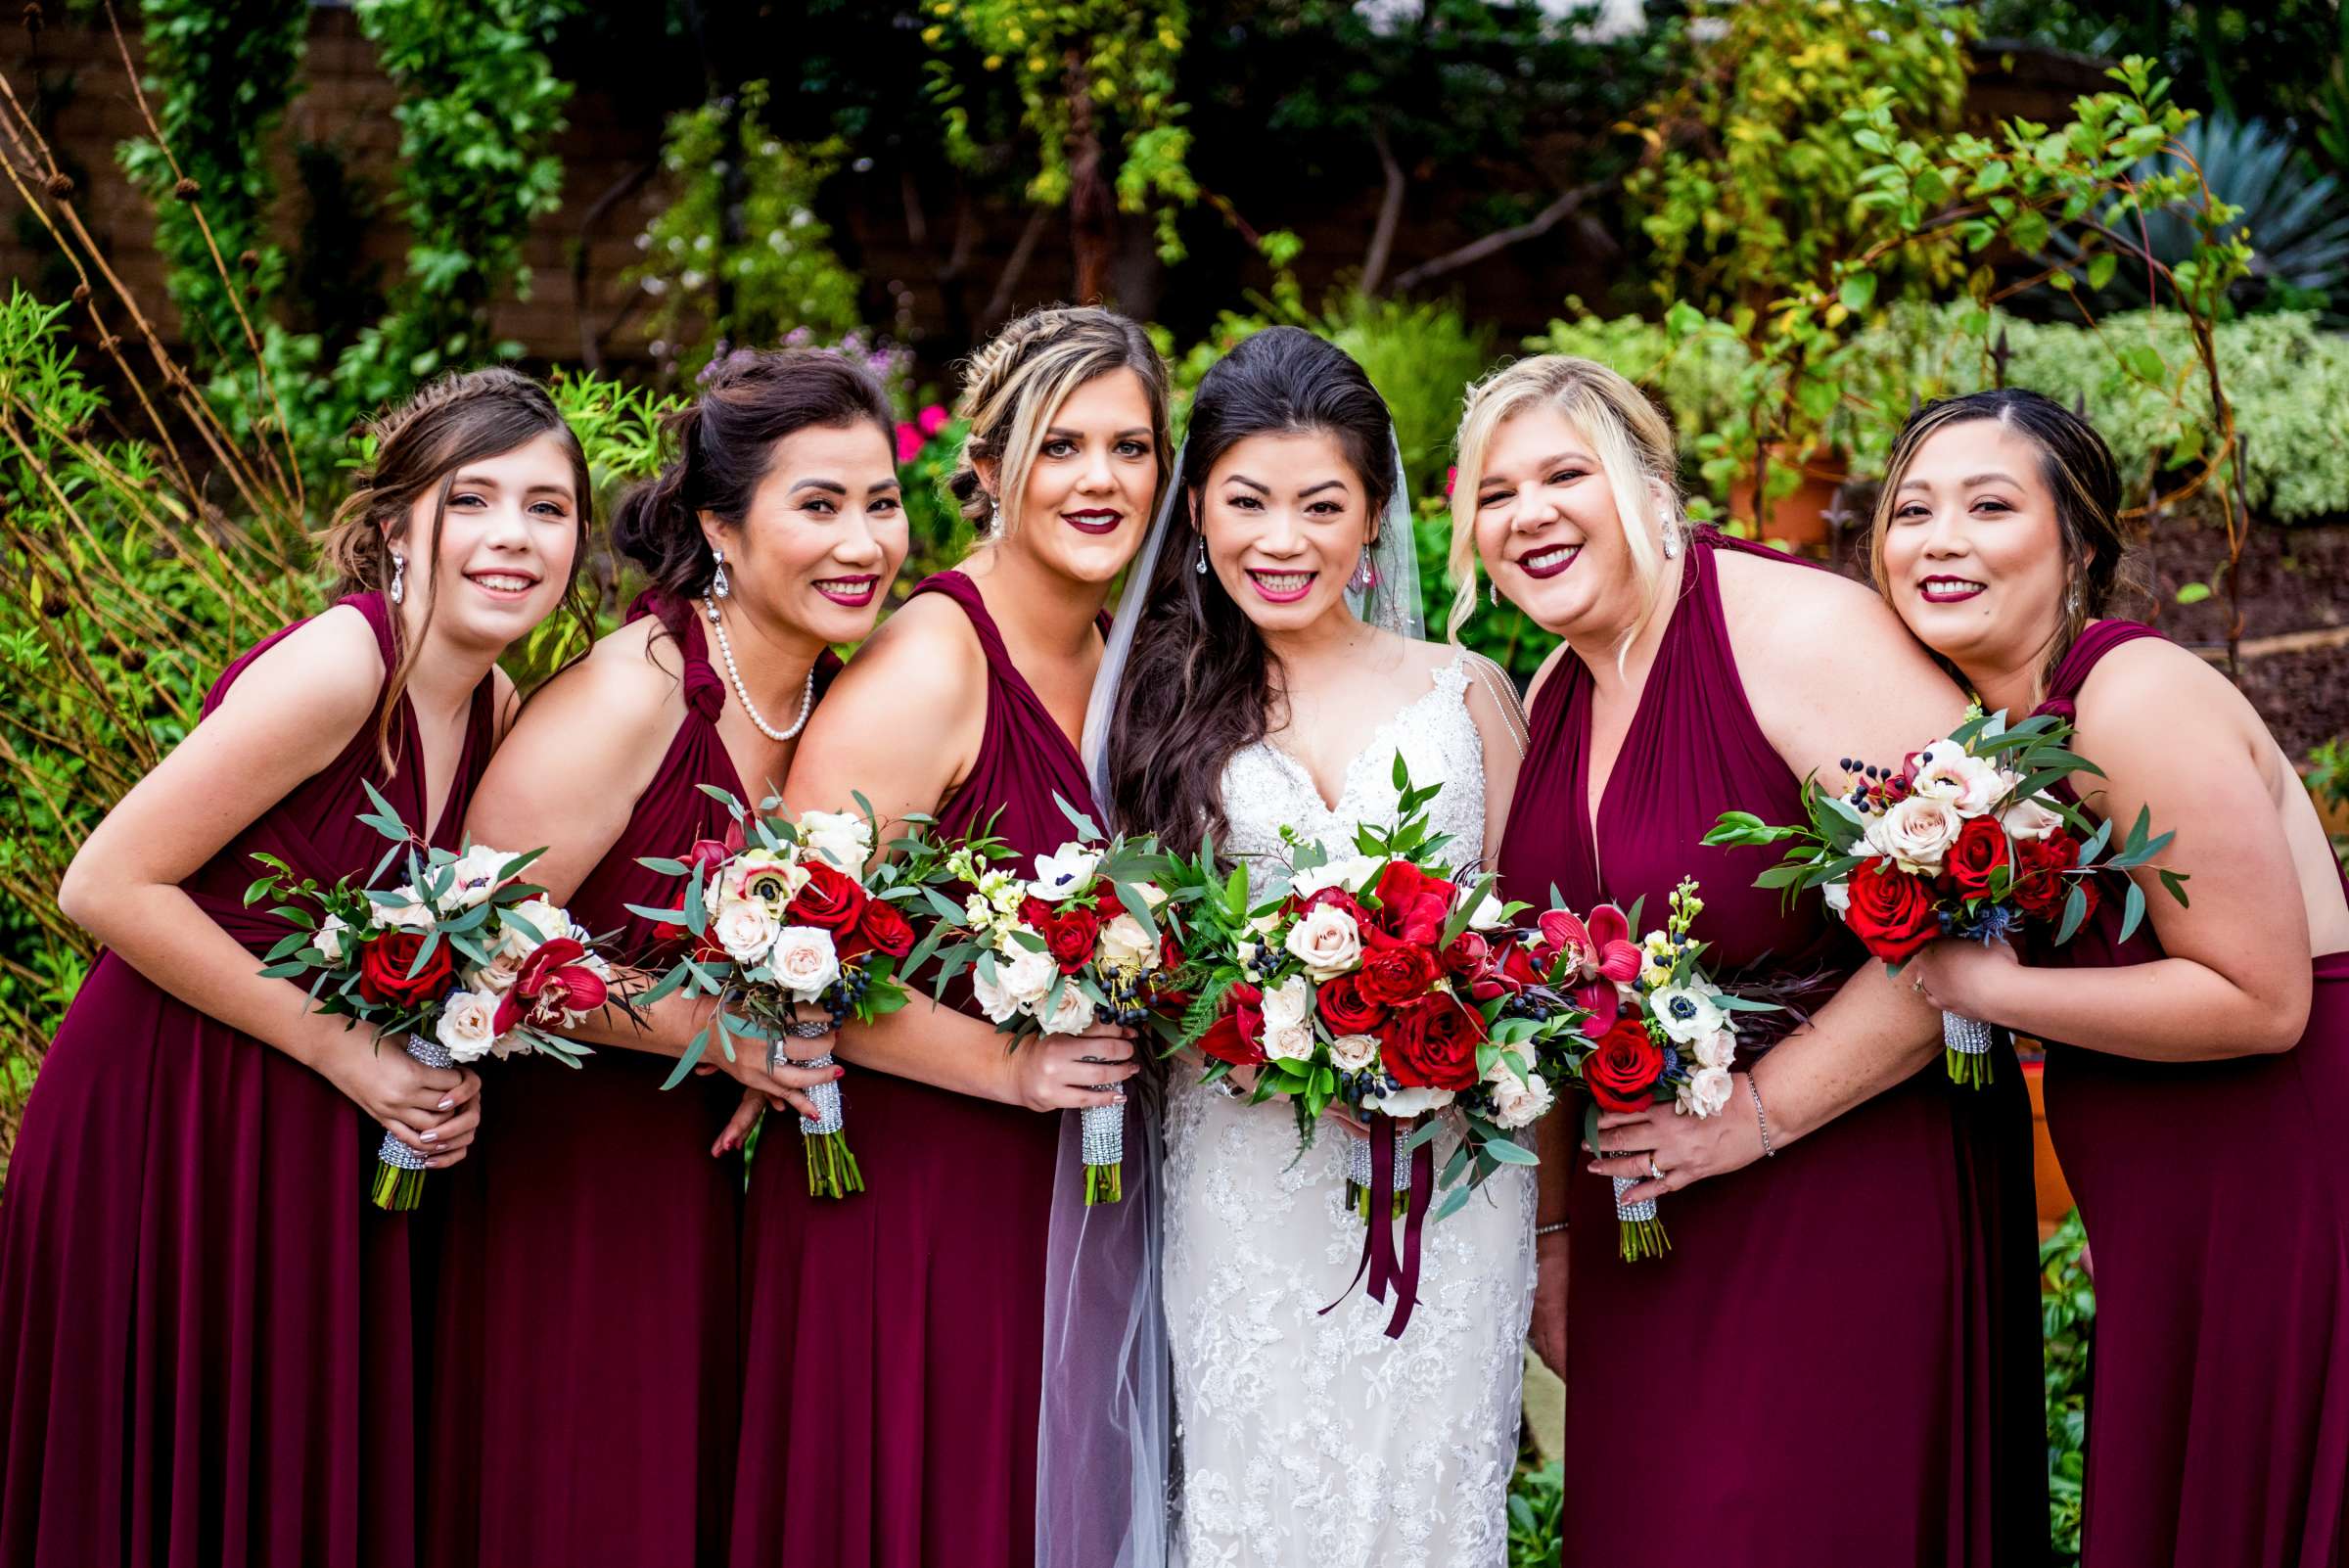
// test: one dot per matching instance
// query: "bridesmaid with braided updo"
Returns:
(204, 1326)
(585, 1409)
(896, 1340)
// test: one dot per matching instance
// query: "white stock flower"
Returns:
(745, 928)
(1519, 1103)
(1127, 947)
(1689, 1012)
(474, 876)
(327, 940)
(1024, 973)
(1706, 1092)
(1717, 1049)
(1409, 1103)
(1348, 875)
(842, 837)
(1351, 1053)
(1917, 833)
(1073, 1014)
(468, 1024)
(1326, 942)
(1971, 784)
(804, 961)
(1064, 875)
(2030, 819)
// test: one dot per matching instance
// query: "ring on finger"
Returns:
(1654, 1174)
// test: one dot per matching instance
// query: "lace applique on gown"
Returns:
(1310, 1441)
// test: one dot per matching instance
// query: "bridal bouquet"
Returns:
(1960, 839)
(1659, 1029)
(461, 960)
(1074, 942)
(792, 928)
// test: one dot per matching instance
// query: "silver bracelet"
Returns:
(1761, 1117)
(1556, 1229)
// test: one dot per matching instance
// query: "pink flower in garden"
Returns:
(1451, 477)
(909, 442)
(932, 419)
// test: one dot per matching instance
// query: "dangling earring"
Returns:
(1200, 565)
(1366, 573)
(1493, 593)
(2071, 601)
(399, 577)
(719, 584)
(1672, 538)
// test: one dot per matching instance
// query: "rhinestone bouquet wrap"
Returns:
(1359, 1176)
(399, 1170)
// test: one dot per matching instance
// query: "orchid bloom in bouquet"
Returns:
(1659, 1029)
(1962, 839)
(1076, 941)
(793, 928)
(461, 960)
(1380, 981)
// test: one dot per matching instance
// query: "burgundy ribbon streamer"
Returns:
(1379, 1261)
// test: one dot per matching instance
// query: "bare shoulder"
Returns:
(2150, 690)
(326, 674)
(629, 685)
(926, 658)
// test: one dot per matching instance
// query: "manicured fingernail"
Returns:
(445, 1105)
(840, 1073)
(431, 1137)
(1594, 1169)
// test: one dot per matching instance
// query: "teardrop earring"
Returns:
(1493, 593)
(1672, 538)
(1366, 573)
(1200, 565)
(719, 584)
(399, 577)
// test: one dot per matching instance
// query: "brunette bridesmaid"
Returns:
(895, 1340)
(1803, 1377)
(2199, 1097)
(585, 1411)
(205, 1328)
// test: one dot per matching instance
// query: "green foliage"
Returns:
(1421, 358)
(2067, 1311)
(739, 254)
(1537, 1516)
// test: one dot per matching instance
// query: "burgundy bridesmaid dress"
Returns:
(586, 1382)
(2216, 1196)
(205, 1328)
(1808, 1376)
(893, 1341)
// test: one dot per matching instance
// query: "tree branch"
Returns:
(1476, 251)
(1390, 213)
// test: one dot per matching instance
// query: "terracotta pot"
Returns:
(1798, 519)
(2054, 1195)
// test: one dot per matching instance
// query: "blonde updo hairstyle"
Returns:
(1014, 386)
(1630, 439)
(419, 447)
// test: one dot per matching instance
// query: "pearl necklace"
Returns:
(725, 650)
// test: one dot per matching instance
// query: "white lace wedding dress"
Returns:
(1315, 1442)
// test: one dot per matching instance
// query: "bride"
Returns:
(1273, 675)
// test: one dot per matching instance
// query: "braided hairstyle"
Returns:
(726, 441)
(419, 447)
(1013, 387)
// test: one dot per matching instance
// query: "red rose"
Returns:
(384, 966)
(1891, 912)
(1238, 1036)
(1344, 1008)
(1107, 905)
(1468, 956)
(831, 900)
(1432, 1045)
(1411, 905)
(1394, 975)
(2040, 887)
(1623, 1067)
(552, 981)
(1069, 934)
(885, 928)
(1980, 849)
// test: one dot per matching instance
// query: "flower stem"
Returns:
(1104, 1184)
(1972, 1069)
(1642, 1238)
(831, 1168)
(395, 1190)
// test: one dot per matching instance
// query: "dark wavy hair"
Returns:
(1199, 683)
(2080, 471)
(725, 443)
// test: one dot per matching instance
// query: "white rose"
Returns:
(1520, 1103)
(1947, 772)
(1410, 1102)
(1917, 833)
(804, 961)
(1025, 974)
(1289, 1042)
(1351, 1053)
(547, 920)
(1689, 1013)
(745, 928)
(474, 876)
(1286, 1003)
(1126, 944)
(1346, 874)
(1717, 1049)
(842, 837)
(405, 912)
(1838, 896)
(993, 1001)
(1073, 1014)
(1326, 942)
(329, 939)
(468, 1024)
(2030, 819)
(498, 974)
(1705, 1091)
(1065, 875)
